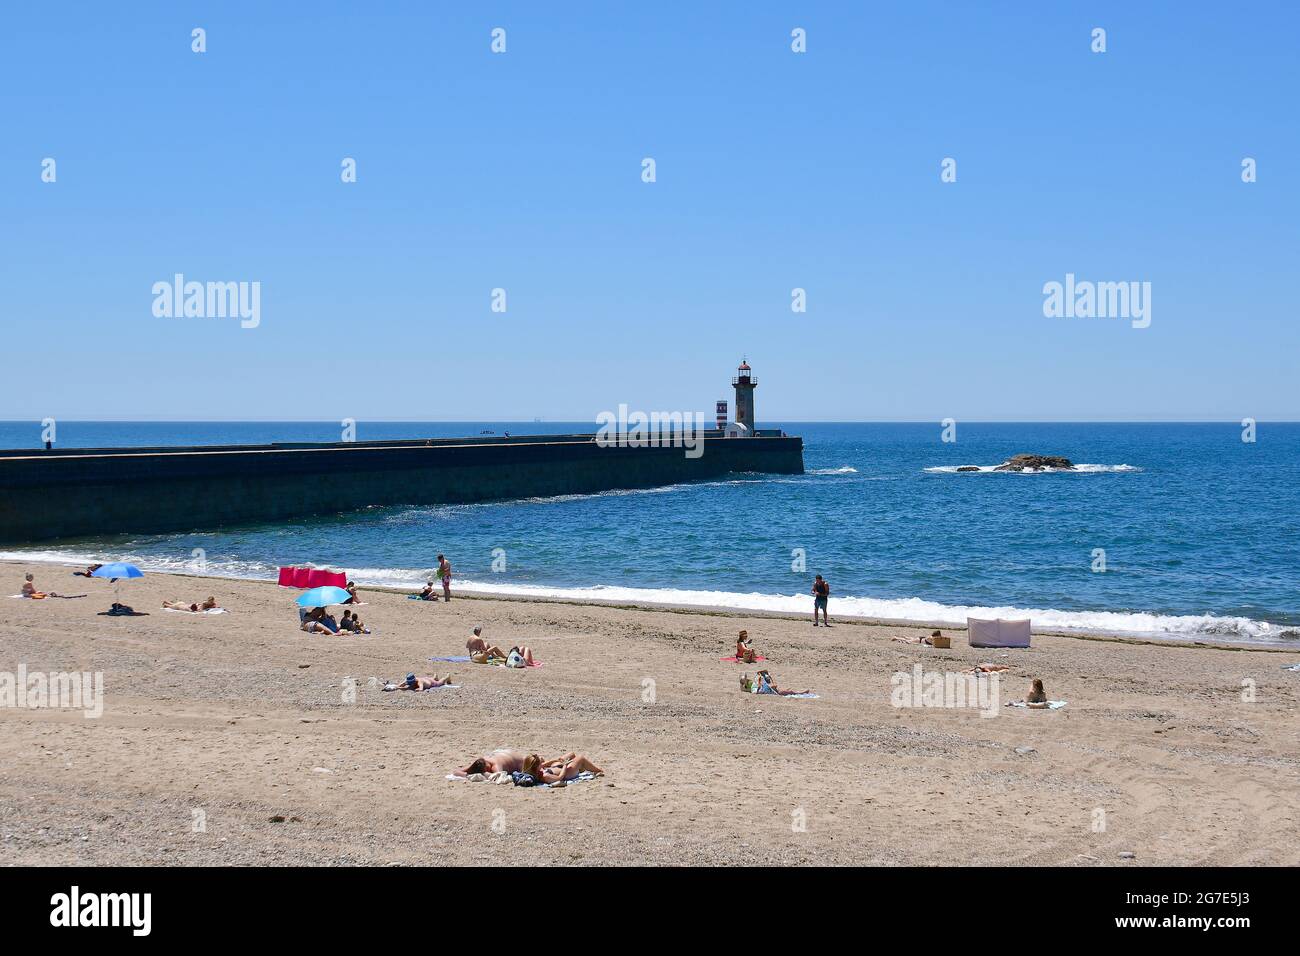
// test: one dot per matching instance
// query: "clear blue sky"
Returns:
(775, 170)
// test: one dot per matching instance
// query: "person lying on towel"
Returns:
(427, 682)
(207, 605)
(557, 770)
(767, 686)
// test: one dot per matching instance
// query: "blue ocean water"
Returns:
(1198, 531)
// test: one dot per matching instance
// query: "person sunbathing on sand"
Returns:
(989, 668)
(428, 594)
(475, 643)
(768, 686)
(29, 590)
(207, 605)
(559, 769)
(744, 651)
(89, 572)
(1037, 697)
(498, 760)
(426, 682)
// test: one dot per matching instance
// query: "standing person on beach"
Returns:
(444, 572)
(821, 595)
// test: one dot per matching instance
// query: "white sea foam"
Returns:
(1137, 624)
(1077, 469)
(842, 470)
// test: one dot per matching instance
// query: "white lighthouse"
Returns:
(745, 383)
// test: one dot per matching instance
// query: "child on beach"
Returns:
(744, 651)
(352, 623)
(29, 590)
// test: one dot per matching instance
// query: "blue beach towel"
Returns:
(452, 660)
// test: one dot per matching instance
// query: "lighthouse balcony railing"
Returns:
(743, 380)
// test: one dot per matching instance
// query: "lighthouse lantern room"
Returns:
(745, 383)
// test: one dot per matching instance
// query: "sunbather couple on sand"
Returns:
(542, 771)
(481, 652)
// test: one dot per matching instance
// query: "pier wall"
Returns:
(96, 492)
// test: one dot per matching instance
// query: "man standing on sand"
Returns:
(444, 572)
(821, 595)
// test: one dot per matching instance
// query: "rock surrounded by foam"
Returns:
(1035, 463)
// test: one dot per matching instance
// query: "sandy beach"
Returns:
(230, 739)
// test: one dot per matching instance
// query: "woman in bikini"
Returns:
(745, 652)
(207, 605)
(559, 769)
(768, 686)
(568, 767)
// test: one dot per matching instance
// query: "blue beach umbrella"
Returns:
(117, 570)
(323, 597)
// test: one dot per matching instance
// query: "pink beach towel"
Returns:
(736, 660)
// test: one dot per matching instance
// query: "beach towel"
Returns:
(498, 777)
(736, 660)
(501, 777)
(390, 687)
(123, 613)
(998, 633)
(211, 610)
(1051, 704)
(64, 597)
(464, 659)
(759, 687)
(1291, 667)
